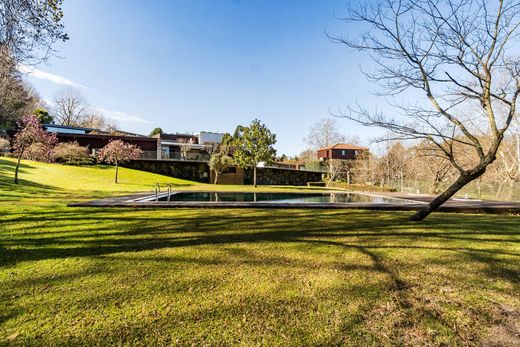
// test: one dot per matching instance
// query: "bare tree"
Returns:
(429, 168)
(455, 55)
(324, 133)
(70, 107)
(364, 168)
(337, 169)
(29, 28)
(508, 163)
(93, 120)
(514, 153)
(96, 120)
(186, 147)
(393, 166)
(211, 148)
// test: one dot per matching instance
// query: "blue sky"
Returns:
(187, 66)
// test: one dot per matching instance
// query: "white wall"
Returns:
(205, 137)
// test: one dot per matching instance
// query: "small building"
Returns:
(343, 151)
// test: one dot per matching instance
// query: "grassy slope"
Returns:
(188, 276)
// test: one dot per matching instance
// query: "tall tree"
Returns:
(252, 145)
(43, 115)
(118, 152)
(323, 134)
(30, 133)
(456, 56)
(29, 28)
(16, 97)
(70, 107)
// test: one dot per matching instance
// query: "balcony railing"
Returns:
(204, 157)
(149, 155)
(152, 155)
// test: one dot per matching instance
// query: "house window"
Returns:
(343, 152)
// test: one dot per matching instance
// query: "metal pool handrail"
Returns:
(169, 191)
(157, 191)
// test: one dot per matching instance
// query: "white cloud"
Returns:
(47, 76)
(122, 117)
(111, 114)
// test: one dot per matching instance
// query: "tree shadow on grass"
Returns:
(119, 234)
(8, 187)
(9, 166)
(98, 235)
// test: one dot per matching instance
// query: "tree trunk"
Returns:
(518, 151)
(402, 180)
(117, 169)
(254, 176)
(448, 193)
(216, 177)
(17, 169)
(331, 177)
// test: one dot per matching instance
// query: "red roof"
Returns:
(343, 146)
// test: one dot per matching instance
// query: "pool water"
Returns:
(279, 197)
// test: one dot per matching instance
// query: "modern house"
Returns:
(185, 147)
(343, 151)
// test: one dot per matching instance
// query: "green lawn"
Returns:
(99, 276)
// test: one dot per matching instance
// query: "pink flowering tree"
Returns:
(30, 134)
(117, 152)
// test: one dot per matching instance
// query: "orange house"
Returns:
(343, 151)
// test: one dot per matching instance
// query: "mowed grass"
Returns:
(98, 276)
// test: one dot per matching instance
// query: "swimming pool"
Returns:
(273, 198)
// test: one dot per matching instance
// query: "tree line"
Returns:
(412, 166)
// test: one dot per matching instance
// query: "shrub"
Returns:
(71, 153)
(38, 152)
(4, 146)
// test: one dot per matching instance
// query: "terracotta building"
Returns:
(343, 151)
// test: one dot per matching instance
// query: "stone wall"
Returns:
(281, 177)
(234, 175)
(199, 172)
(194, 171)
